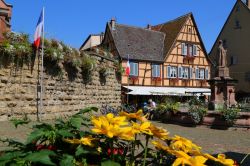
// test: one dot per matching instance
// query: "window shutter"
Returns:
(190, 72)
(197, 73)
(131, 68)
(180, 72)
(158, 71)
(206, 74)
(168, 71)
(194, 50)
(136, 69)
(183, 49)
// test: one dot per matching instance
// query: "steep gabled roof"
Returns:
(138, 43)
(171, 29)
(237, 2)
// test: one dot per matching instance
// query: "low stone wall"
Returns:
(63, 95)
(212, 118)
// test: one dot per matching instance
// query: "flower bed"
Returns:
(85, 139)
(213, 118)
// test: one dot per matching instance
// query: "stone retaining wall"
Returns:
(63, 95)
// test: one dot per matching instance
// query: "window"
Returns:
(237, 24)
(234, 60)
(188, 49)
(185, 72)
(133, 69)
(200, 73)
(172, 72)
(156, 72)
(184, 48)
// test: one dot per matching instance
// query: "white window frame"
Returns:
(173, 71)
(201, 74)
(156, 70)
(185, 72)
(133, 69)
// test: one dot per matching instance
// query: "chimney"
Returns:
(112, 23)
(149, 26)
(248, 3)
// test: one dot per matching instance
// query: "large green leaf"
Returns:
(88, 109)
(109, 163)
(42, 157)
(76, 121)
(18, 122)
(64, 133)
(34, 136)
(67, 160)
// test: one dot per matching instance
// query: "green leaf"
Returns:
(64, 133)
(88, 109)
(10, 156)
(80, 151)
(67, 160)
(109, 163)
(41, 157)
(17, 122)
(34, 136)
(76, 122)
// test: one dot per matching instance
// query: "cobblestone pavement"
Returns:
(233, 142)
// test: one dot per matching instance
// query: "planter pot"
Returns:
(166, 116)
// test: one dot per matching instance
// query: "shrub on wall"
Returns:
(15, 49)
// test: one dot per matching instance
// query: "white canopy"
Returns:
(168, 91)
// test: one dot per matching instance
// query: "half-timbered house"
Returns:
(165, 59)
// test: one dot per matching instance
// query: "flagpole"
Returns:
(42, 70)
(128, 85)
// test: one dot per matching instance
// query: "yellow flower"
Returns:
(141, 128)
(111, 127)
(138, 115)
(159, 132)
(84, 141)
(180, 143)
(126, 133)
(222, 159)
(158, 145)
(185, 159)
(102, 126)
(99, 149)
(118, 120)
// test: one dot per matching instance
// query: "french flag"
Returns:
(127, 71)
(39, 30)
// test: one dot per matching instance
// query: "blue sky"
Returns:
(72, 21)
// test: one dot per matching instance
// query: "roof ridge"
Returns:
(150, 30)
(244, 5)
(173, 20)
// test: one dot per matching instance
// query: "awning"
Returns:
(167, 91)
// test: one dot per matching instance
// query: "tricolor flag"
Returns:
(128, 68)
(39, 30)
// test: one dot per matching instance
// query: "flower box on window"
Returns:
(133, 78)
(174, 79)
(156, 78)
(188, 57)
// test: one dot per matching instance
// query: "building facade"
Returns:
(93, 40)
(235, 35)
(165, 59)
(5, 17)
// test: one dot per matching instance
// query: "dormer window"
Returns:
(188, 49)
